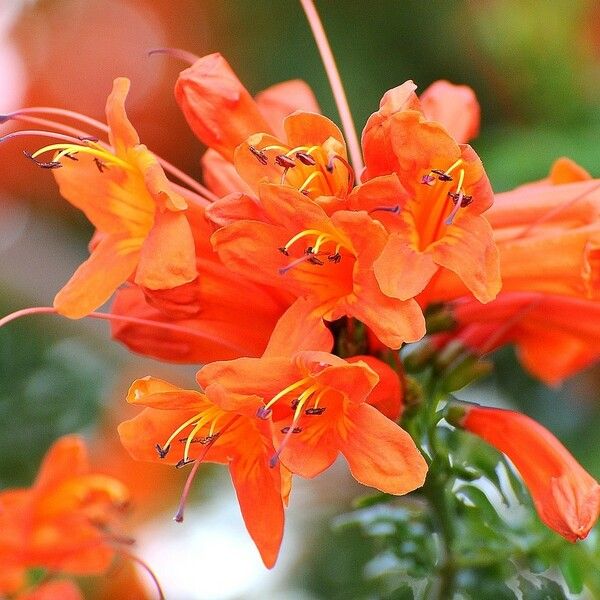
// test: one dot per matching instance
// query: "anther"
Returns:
(442, 175)
(313, 260)
(283, 250)
(294, 430)
(263, 412)
(334, 258)
(53, 164)
(464, 200)
(162, 452)
(209, 439)
(294, 403)
(428, 179)
(70, 156)
(101, 165)
(260, 155)
(306, 159)
(284, 161)
(88, 138)
(183, 462)
(315, 410)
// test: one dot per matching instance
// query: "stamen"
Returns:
(260, 155)
(442, 175)
(139, 561)
(287, 390)
(315, 410)
(183, 462)
(178, 53)
(294, 430)
(162, 450)
(285, 161)
(335, 258)
(104, 155)
(44, 165)
(304, 187)
(263, 412)
(188, 483)
(306, 159)
(295, 263)
(453, 166)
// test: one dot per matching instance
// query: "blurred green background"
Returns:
(535, 67)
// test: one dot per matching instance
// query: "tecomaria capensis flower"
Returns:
(62, 523)
(437, 198)
(319, 406)
(140, 217)
(566, 497)
(327, 260)
(179, 426)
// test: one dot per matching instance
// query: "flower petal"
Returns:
(113, 260)
(381, 454)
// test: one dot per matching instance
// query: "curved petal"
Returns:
(381, 454)
(454, 106)
(168, 255)
(312, 129)
(234, 207)
(157, 393)
(468, 250)
(121, 132)
(66, 458)
(113, 260)
(217, 106)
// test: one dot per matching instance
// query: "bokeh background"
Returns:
(535, 67)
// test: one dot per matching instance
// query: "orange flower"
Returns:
(437, 198)
(566, 497)
(142, 230)
(318, 404)
(552, 343)
(222, 114)
(60, 523)
(548, 237)
(182, 426)
(328, 260)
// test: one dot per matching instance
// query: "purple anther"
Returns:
(53, 164)
(295, 430)
(183, 462)
(306, 159)
(442, 175)
(263, 412)
(334, 258)
(285, 161)
(260, 155)
(162, 452)
(316, 410)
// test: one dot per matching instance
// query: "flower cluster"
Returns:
(297, 274)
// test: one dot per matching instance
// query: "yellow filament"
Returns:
(190, 439)
(310, 179)
(180, 429)
(302, 234)
(453, 166)
(461, 179)
(287, 390)
(306, 394)
(274, 147)
(76, 148)
(304, 149)
(319, 396)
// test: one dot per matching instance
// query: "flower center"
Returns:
(207, 419)
(304, 396)
(432, 214)
(310, 169)
(325, 244)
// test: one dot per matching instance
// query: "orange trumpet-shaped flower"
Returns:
(319, 406)
(566, 497)
(142, 230)
(61, 522)
(328, 260)
(555, 336)
(437, 198)
(181, 426)
(547, 235)
(222, 114)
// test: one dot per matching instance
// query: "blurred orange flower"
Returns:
(566, 497)
(62, 522)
